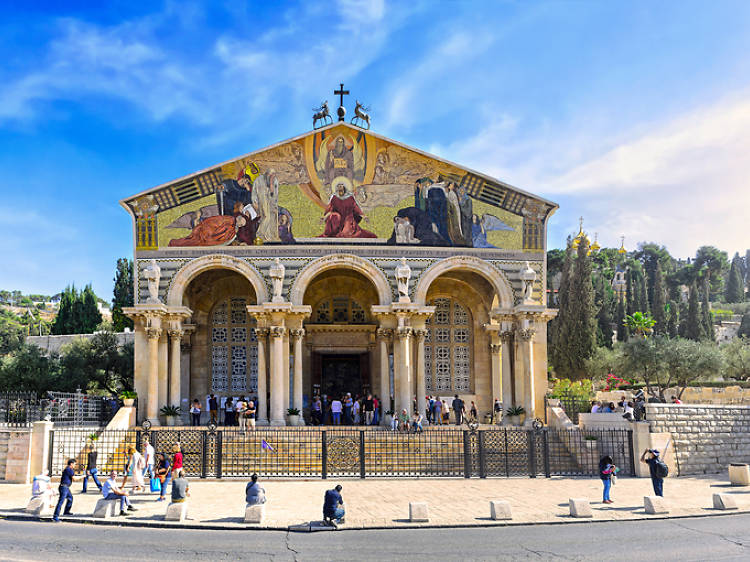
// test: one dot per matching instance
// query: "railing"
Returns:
(574, 405)
(309, 453)
(21, 409)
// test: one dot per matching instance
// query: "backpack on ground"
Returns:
(662, 470)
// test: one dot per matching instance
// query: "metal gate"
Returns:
(350, 452)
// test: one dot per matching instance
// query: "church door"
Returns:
(341, 374)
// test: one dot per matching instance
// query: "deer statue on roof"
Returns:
(361, 116)
(321, 115)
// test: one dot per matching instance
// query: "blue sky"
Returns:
(635, 115)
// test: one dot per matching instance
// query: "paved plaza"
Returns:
(385, 503)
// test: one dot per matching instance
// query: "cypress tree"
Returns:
(123, 294)
(745, 326)
(683, 319)
(629, 294)
(622, 330)
(582, 337)
(64, 321)
(90, 317)
(673, 319)
(560, 324)
(642, 294)
(660, 315)
(604, 299)
(708, 325)
(734, 289)
(694, 329)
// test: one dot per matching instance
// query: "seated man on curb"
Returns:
(332, 513)
(180, 487)
(255, 494)
(110, 491)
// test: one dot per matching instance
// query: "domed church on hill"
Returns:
(339, 261)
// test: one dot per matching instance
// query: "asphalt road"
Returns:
(705, 538)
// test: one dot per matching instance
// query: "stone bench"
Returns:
(724, 501)
(739, 474)
(106, 509)
(418, 512)
(500, 509)
(580, 507)
(655, 505)
(39, 506)
(255, 514)
(176, 512)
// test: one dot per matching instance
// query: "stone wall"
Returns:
(706, 437)
(727, 395)
(53, 344)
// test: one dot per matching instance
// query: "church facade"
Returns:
(339, 261)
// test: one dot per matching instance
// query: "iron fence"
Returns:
(573, 405)
(326, 453)
(21, 409)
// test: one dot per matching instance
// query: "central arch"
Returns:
(340, 261)
(466, 263)
(192, 269)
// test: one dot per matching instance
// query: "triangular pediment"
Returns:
(377, 188)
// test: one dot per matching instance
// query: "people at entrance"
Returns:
(336, 409)
(458, 409)
(437, 411)
(473, 415)
(213, 408)
(356, 407)
(416, 423)
(497, 411)
(228, 411)
(348, 408)
(317, 411)
(446, 414)
(249, 415)
(369, 409)
(333, 507)
(254, 493)
(376, 410)
(195, 412)
(403, 420)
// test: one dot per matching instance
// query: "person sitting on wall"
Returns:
(111, 491)
(255, 494)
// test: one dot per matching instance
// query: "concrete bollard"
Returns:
(106, 509)
(255, 514)
(500, 509)
(724, 501)
(655, 505)
(418, 512)
(176, 512)
(739, 474)
(580, 507)
(39, 506)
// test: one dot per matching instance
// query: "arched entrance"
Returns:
(340, 332)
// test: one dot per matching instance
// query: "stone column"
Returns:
(277, 375)
(297, 336)
(163, 368)
(175, 372)
(496, 367)
(285, 378)
(404, 370)
(152, 399)
(384, 336)
(421, 334)
(262, 405)
(526, 353)
(506, 337)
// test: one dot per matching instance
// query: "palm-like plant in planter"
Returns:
(514, 414)
(170, 413)
(292, 415)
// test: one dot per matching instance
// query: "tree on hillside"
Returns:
(560, 325)
(12, 333)
(735, 290)
(737, 358)
(604, 299)
(706, 318)
(659, 302)
(716, 265)
(90, 317)
(123, 294)
(744, 329)
(673, 319)
(629, 293)
(642, 293)
(622, 330)
(651, 255)
(686, 361)
(694, 328)
(78, 312)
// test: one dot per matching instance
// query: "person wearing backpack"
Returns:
(658, 468)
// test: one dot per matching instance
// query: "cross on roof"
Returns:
(341, 93)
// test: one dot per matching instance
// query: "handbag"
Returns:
(155, 485)
(613, 478)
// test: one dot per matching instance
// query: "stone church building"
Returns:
(339, 261)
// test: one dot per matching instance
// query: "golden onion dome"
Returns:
(581, 235)
(622, 249)
(595, 247)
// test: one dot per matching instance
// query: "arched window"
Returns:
(234, 348)
(339, 310)
(447, 348)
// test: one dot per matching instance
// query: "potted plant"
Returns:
(591, 442)
(388, 418)
(128, 397)
(170, 413)
(292, 416)
(514, 414)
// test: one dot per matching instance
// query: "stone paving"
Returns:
(385, 503)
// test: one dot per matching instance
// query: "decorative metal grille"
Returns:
(448, 348)
(339, 310)
(234, 353)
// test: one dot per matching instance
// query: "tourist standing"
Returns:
(177, 458)
(607, 470)
(213, 408)
(369, 409)
(317, 411)
(437, 409)
(195, 413)
(333, 507)
(497, 411)
(473, 411)
(164, 473)
(250, 415)
(355, 411)
(255, 494)
(458, 409)
(375, 410)
(91, 469)
(66, 480)
(446, 413)
(657, 468)
(348, 409)
(336, 408)
(241, 408)
(134, 468)
(147, 450)
(229, 411)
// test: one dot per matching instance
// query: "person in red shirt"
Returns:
(176, 458)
